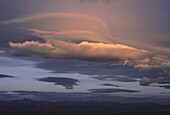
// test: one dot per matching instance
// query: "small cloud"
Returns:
(145, 81)
(109, 90)
(66, 82)
(2, 52)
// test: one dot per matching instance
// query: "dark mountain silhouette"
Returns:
(29, 107)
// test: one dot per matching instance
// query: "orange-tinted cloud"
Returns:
(83, 51)
(145, 81)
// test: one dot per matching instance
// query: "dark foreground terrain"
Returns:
(29, 107)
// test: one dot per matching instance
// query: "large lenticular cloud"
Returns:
(64, 26)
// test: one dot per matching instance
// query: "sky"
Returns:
(117, 49)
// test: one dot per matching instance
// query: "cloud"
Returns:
(110, 90)
(145, 81)
(156, 62)
(82, 51)
(1, 51)
(66, 82)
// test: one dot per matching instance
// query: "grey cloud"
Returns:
(109, 90)
(65, 82)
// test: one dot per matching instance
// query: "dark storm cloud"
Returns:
(110, 85)
(65, 82)
(5, 76)
(109, 90)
